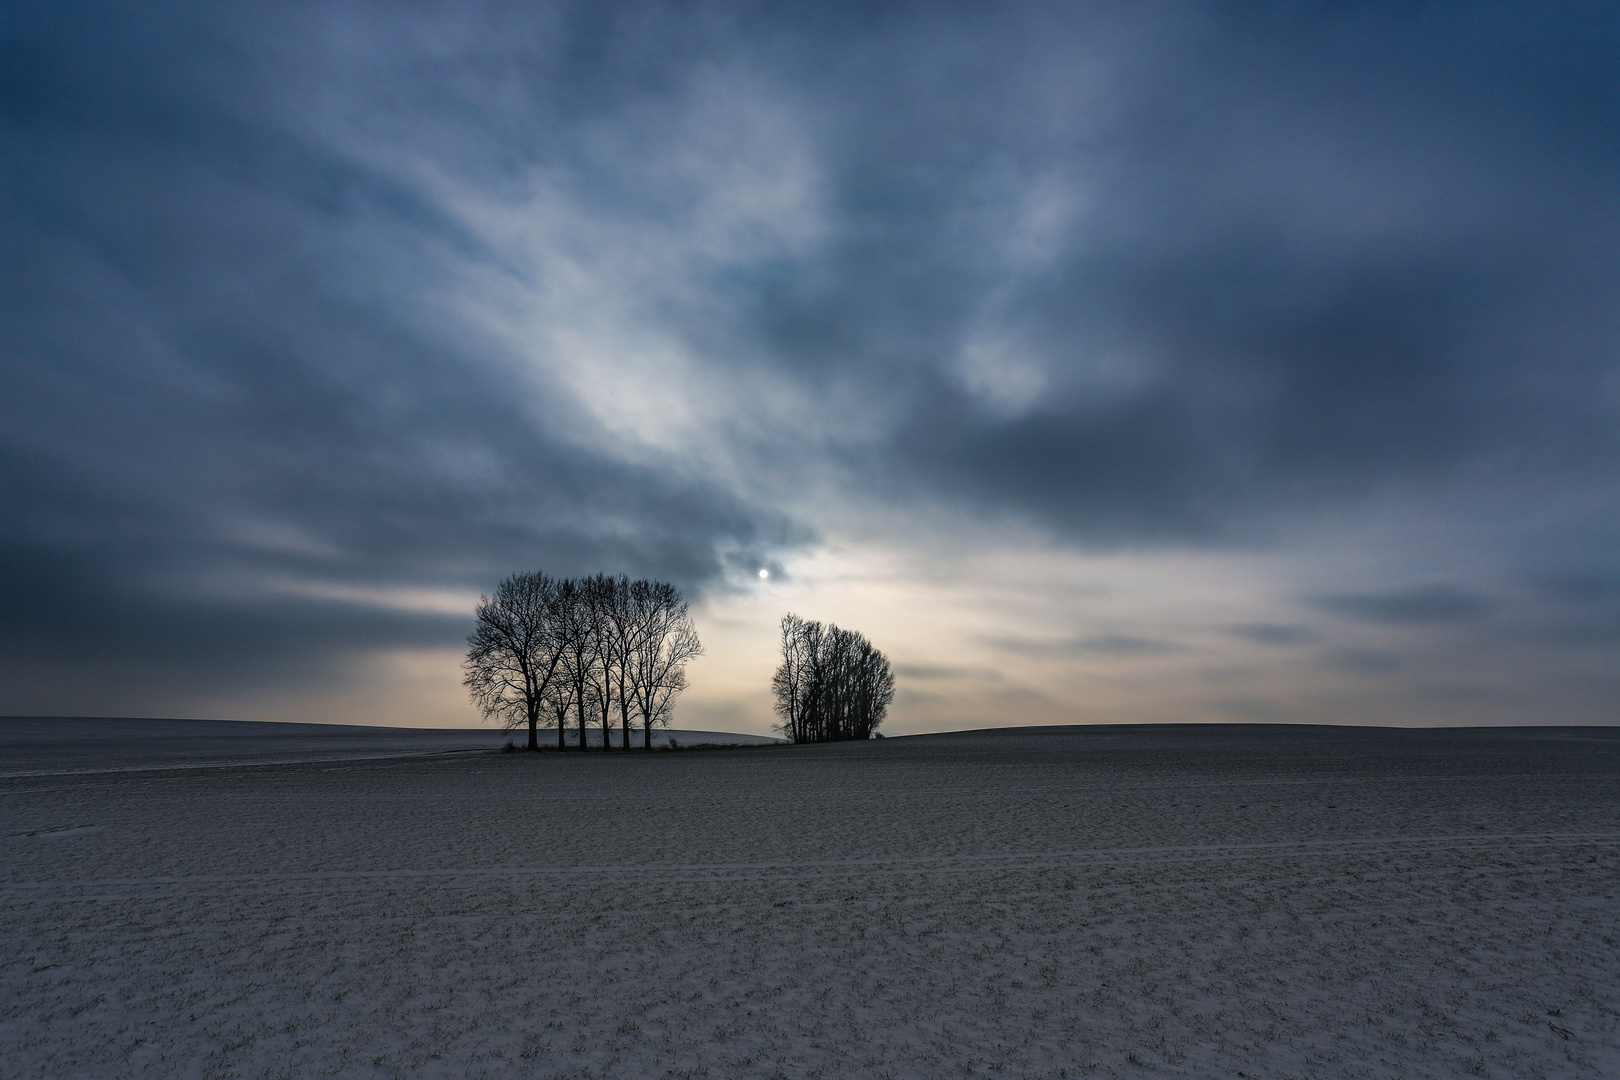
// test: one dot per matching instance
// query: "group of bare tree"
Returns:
(832, 684)
(603, 648)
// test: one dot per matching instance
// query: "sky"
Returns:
(1101, 362)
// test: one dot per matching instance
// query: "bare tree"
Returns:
(580, 640)
(624, 624)
(558, 703)
(616, 631)
(513, 652)
(791, 681)
(662, 643)
(832, 684)
(601, 647)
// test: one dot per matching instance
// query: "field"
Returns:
(1132, 902)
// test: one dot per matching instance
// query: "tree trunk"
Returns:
(534, 730)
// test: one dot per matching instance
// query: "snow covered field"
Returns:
(1243, 901)
(45, 745)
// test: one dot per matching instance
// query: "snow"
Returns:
(47, 745)
(1235, 901)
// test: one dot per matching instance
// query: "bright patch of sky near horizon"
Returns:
(1160, 364)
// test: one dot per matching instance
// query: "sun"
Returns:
(763, 573)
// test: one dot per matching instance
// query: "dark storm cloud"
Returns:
(1580, 587)
(1580, 607)
(225, 362)
(1419, 605)
(1365, 661)
(1115, 645)
(1144, 274)
(1330, 249)
(1127, 645)
(1277, 633)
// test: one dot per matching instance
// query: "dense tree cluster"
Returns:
(832, 683)
(602, 648)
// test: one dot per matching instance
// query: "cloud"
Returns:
(1128, 645)
(1366, 661)
(1276, 633)
(1116, 645)
(1582, 587)
(316, 318)
(946, 672)
(1419, 605)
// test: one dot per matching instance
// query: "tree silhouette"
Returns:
(514, 652)
(832, 683)
(663, 642)
(601, 647)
